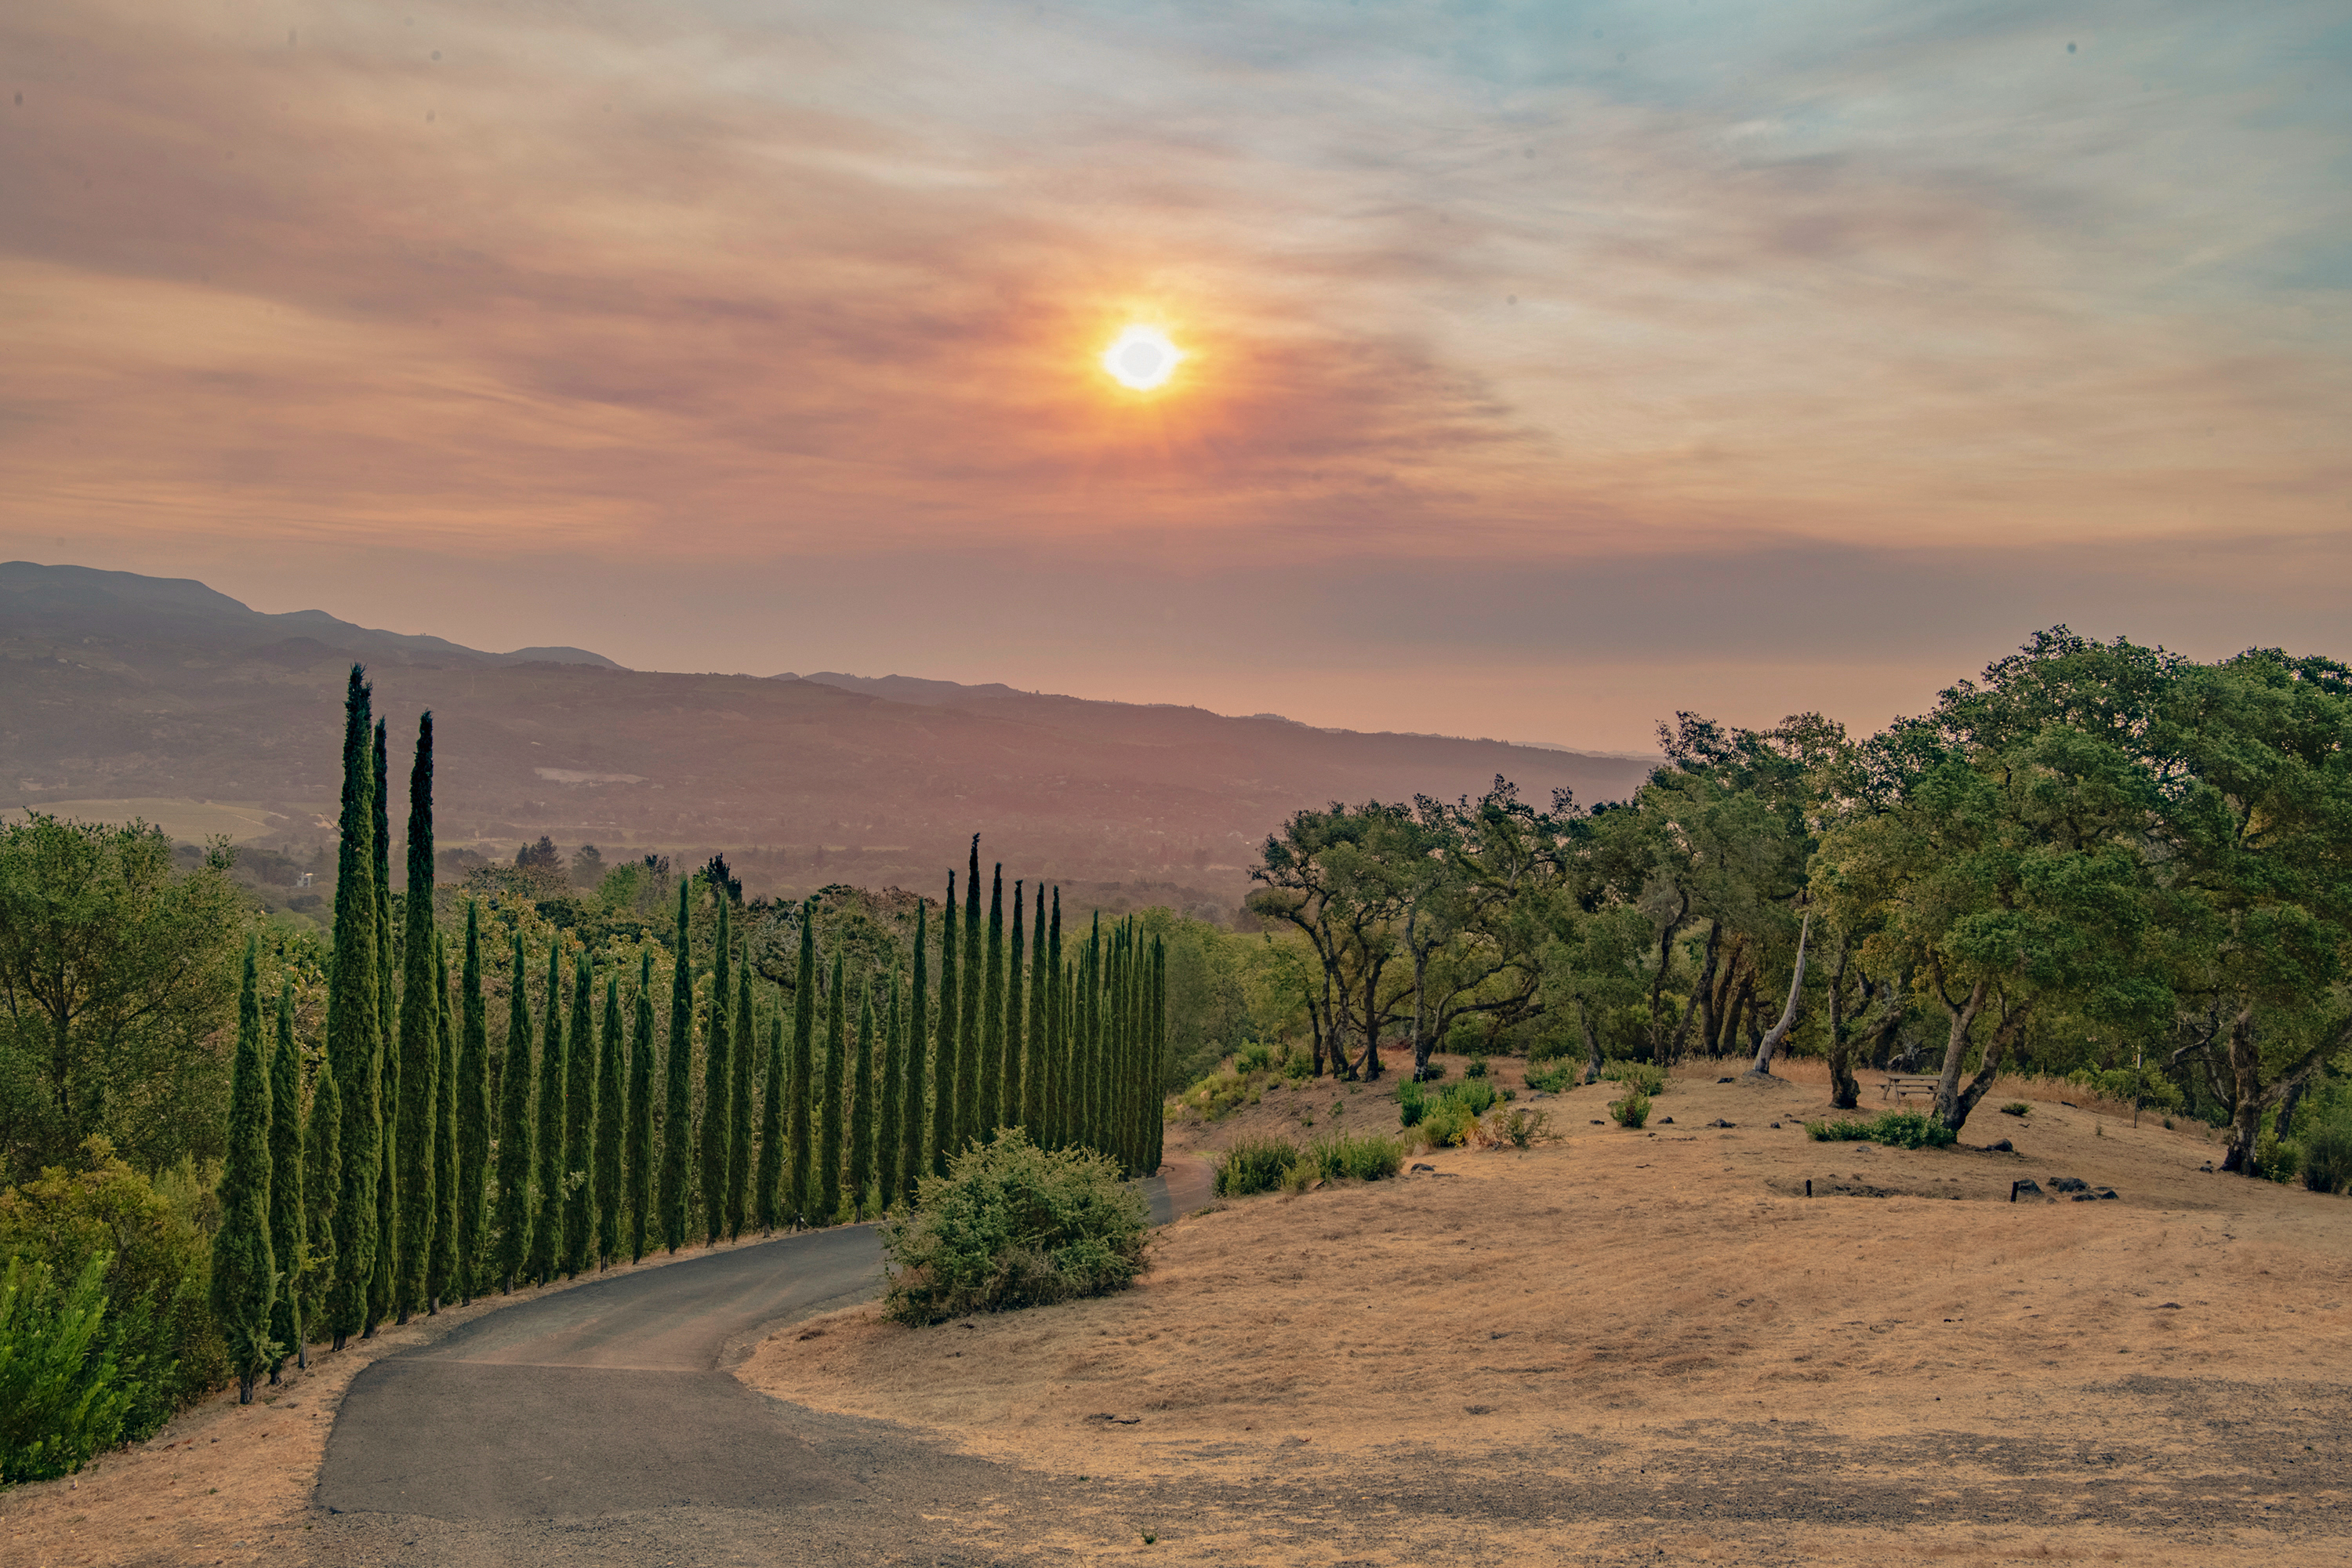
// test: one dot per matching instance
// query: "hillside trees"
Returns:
(244, 1271)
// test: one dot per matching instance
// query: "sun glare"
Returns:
(1141, 358)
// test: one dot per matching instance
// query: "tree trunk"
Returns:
(1658, 981)
(1996, 1055)
(2246, 1092)
(1372, 1068)
(1763, 1066)
(1422, 1044)
(1956, 1051)
(1845, 1093)
(1706, 987)
(1743, 995)
(1718, 998)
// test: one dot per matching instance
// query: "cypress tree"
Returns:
(612, 1114)
(1156, 1016)
(1090, 998)
(1015, 1029)
(861, 1105)
(1032, 1078)
(355, 1029)
(383, 1277)
(945, 1087)
(517, 1160)
(828, 1132)
(244, 1274)
(288, 1210)
(1054, 1133)
(890, 1114)
(441, 1271)
(580, 1124)
(473, 1118)
(968, 1017)
(991, 1112)
(917, 1023)
(547, 1223)
(739, 1097)
(800, 1093)
(715, 1078)
(323, 1183)
(420, 1046)
(768, 1189)
(677, 1102)
(638, 1157)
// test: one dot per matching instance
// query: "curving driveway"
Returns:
(601, 1425)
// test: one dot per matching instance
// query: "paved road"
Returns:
(601, 1425)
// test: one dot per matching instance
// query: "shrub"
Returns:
(61, 1396)
(1294, 1065)
(1011, 1225)
(1554, 1080)
(2327, 1157)
(1365, 1157)
(1633, 1110)
(1411, 1102)
(1254, 1166)
(1640, 1077)
(1477, 1067)
(1446, 1123)
(1476, 1095)
(1218, 1094)
(2017, 1107)
(2127, 1086)
(1255, 1056)
(1433, 1073)
(1896, 1128)
(1519, 1128)
(168, 1352)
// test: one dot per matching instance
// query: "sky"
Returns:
(1549, 367)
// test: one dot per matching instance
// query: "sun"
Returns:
(1141, 358)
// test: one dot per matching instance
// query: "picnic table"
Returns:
(1899, 1084)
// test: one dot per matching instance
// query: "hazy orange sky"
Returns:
(1553, 367)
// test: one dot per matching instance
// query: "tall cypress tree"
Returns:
(441, 1270)
(473, 1118)
(800, 1091)
(638, 1155)
(890, 1116)
(768, 1187)
(990, 1114)
(288, 1210)
(547, 1225)
(828, 1129)
(913, 1155)
(1014, 1031)
(383, 1277)
(1031, 1033)
(1156, 1014)
(420, 1046)
(1090, 998)
(517, 1156)
(716, 1079)
(243, 1273)
(739, 1097)
(355, 1026)
(323, 1183)
(580, 1125)
(1051, 990)
(612, 1115)
(861, 1105)
(677, 1079)
(968, 1013)
(945, 1087)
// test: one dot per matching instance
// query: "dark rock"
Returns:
(1776, 1124)
(1665, 1122)
(1417, 1165)
(1477, 1410)
(2106, 1192)
(1719, 1122)
(2003, 1147)
(1598, 1123)
(1727, 1080)
(2069, 1185)
(2024, 1189)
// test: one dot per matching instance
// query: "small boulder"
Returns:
(2106, 1192)
(1598, 1123)
(2069, 1185)
(2028, 1189)
(1719, 1122)
(1665, 1122)
(1417, 1165)
(1727, 1080)
(2002, 1146)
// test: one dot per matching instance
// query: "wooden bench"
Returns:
(1898, 1085)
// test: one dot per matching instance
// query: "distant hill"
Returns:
(116, 687)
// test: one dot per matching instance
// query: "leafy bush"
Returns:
(1294, 1065)
(1412, 1102)
(1011, 1225)
(1254, 1166)
(1433, 1073)
(1557, 1079)
(1476, 1095)
(1477, 1067)
(1220, 1093)
(1896, 1128)
(1644, 1078)
(1633, 1110)
(2127, 1086)
(2327, 1157)
(1519, 1128)
(1255, 1056)
(1367, 1157)
(158, 1328)
(62, 1394)
(1446, 1123)
(2017, 1107)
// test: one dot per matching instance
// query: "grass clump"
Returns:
(1010, 1226)
(1557, 1079)
(1519, 1127)
(1254, 1166)
(1644, 1078)
(1896, 1129)
(1445, 1118)
(1447, 1124)
(2017, 1107)
(1360, 1157)
(1632, 1110)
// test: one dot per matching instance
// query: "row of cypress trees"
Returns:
(395, 1196)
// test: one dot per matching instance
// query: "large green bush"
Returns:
(1254, 1166)
(167, 1349)
(1361, 1157)
(2327, 1157)
(1898, 1129)
(1011, 1225)
(61, 1393)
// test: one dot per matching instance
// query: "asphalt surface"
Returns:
(602, 1425)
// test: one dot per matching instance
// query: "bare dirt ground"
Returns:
(222, 1483)
(1651, 1346)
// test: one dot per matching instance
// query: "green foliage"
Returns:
(1632, 1110)
(1641, 1077)
(1010, 1226)
(1356, 1157)
(1254, 1166)
(2130, 1086)
(1896, 1129)
(2017, 1107)
(1477, 1067)
(1256, 1056)
(1221, 1093)
(1445, 1123)
(1412, 1103)
(167, 1346)
(1554, 1080)
(62, 1394)
(243, 1278)
(1476, 1095)
(1521, 1127)
(2327, 1156)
